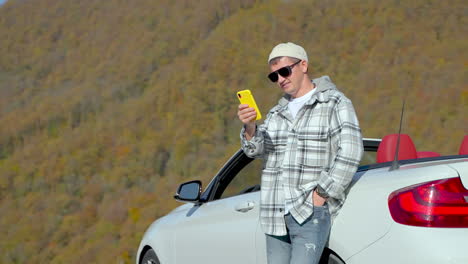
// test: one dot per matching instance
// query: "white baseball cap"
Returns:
(288, 49)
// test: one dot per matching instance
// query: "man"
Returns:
(311, 145)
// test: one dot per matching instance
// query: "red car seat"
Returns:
(464, 146)
(427, 154)
(386, 150)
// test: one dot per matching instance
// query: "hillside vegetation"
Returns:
(106, 106)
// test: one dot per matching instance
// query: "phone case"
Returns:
(246, 97)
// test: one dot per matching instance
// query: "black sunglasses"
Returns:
(284, 72)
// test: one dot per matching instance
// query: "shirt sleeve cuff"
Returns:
(330, 187)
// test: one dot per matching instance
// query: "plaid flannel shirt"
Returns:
(321, 147)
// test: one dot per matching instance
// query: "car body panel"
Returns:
(365, 217)
(462, 168)
(408, 245)
(226, 222)
(160, 237)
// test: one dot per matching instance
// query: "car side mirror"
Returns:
(189, 192)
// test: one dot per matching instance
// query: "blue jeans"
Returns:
(303, 243)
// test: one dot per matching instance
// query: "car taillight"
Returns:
(441, 203)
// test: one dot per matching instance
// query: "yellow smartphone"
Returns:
(246, 97)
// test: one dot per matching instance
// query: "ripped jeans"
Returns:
(304, 243)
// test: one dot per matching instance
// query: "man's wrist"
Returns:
(249, 130)
(321, 192)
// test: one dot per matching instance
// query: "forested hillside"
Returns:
(106, 106)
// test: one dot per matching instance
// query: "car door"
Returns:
(225, 229)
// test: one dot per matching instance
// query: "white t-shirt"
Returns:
(294, 106)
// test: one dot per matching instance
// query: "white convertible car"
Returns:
(412, 211)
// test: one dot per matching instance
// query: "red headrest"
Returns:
(464, 146)
(386, 150)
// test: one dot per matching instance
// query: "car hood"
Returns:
(182, 208)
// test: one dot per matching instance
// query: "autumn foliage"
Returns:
(106, 106)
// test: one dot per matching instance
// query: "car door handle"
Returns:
(245, 206)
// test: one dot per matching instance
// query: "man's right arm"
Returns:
(251, 138)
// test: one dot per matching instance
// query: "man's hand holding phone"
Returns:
(248, 112)
(247, 115)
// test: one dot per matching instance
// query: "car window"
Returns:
(369, 157)
(247, 180)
